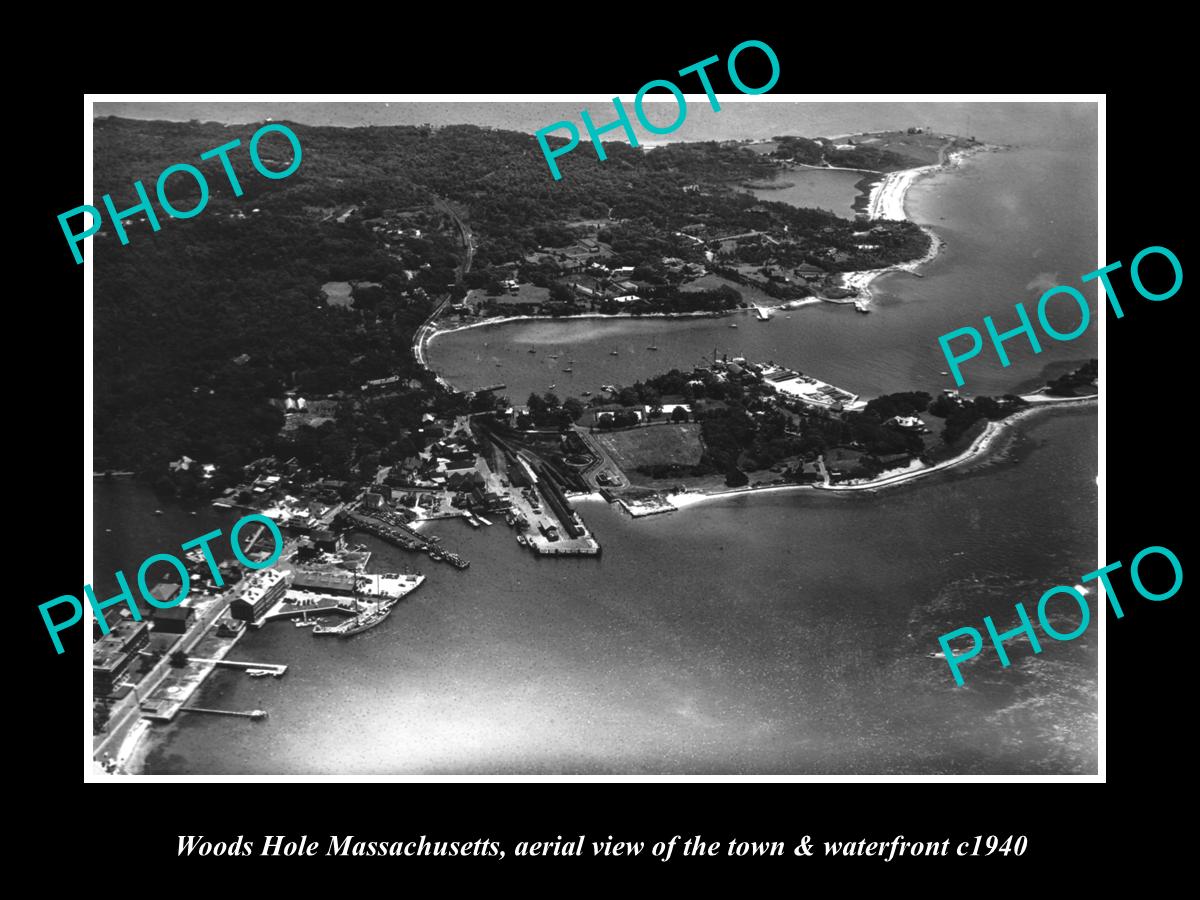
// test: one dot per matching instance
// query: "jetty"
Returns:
(245, 714)
(276, 669)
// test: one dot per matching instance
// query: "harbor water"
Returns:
(787, 632)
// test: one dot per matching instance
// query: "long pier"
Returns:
(245, 714)
(275, 669)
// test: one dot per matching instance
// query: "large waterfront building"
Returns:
(115, 651)
(324, 580)
(259, 593)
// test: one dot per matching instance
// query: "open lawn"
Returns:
(652, 445)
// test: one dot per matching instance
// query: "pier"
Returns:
(245, 714)
(276, 669)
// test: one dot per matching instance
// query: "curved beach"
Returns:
(981, 445)
(886, 201)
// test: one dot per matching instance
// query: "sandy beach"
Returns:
(887, 202)
(981, 445)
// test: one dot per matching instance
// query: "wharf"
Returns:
(276, 669)
(247, 714)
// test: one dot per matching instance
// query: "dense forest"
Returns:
(199, 325)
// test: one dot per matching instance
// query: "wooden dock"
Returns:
(276, 669)
(245, 714)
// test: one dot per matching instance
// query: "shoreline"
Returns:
(886, 201)
(979, 446)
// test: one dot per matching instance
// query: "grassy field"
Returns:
(655, 444)
(749, 292)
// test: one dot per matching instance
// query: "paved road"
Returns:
(125, 711)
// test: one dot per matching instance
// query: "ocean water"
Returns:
(787, 632)
(830, 190)
(1014, 222)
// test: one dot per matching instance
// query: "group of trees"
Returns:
(1082, 380)
(546, 410)
(200, 324)
(961, 414)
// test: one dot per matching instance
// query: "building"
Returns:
(173, 620)
(259, 592)
(325, 540)
(115, 651)
(324, 580)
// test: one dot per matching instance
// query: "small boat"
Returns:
(568, 371)
(553, 386)
(260, 673)
(652, 347)
(733, 325)
(614, 352)
(945, 373)
(158, 512)
(584, 393)
(532, 350)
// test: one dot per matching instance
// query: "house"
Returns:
(173, 620)
(910, 423)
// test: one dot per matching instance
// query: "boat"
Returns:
(652, 347)
(359, 624)
(553, 386)
(945, 373)
(304, 623)
(260, 673)
(584, 393)
(568, 371)
(532, 350)
(158, 512)
(733, 324)
(614, 352)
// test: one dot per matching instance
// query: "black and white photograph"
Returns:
(546, 437)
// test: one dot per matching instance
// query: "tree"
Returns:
(573, 408)
(99, 716)
(679, 414)
(179, 659)
(735, 477)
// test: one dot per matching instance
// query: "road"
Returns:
(125, 711)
